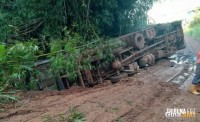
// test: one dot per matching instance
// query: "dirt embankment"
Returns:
(141, 98)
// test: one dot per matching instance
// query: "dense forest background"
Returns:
(48, 19)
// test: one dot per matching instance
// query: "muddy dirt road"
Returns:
(144, 97)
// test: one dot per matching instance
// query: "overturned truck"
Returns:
(143, 48)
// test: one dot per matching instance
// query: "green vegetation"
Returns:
(74, 116)
(63, 31)
(47, 19)
(7, 97)
(193, 28)
(73, 57)
(17, 62)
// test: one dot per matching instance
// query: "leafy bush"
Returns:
(194, 31)
(194, 27)
(17, 62)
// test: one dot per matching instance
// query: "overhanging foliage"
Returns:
(42, 19)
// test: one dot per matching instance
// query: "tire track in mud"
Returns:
(122, 102)
(20, 112)
(138, 91)
(75, 100)
(163, 92)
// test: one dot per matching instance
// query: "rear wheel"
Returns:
(139, 41)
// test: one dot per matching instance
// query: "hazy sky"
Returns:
(169, 10)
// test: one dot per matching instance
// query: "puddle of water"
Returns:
(179, 58)
(189, 64)
(189, 60)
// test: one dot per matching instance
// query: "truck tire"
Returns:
(151, 59)
(150, 33)
(143, 61)
(159, 54)
(154, 32)
(172, 38)
(116, 65)
(147, 60)
(138, 41)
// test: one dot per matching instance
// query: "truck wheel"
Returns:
(115, 79)
(150, 33)
(154, 32)
(172, 38)
(151, 59)
(138, 41)
(143, 61)
(159, 54)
